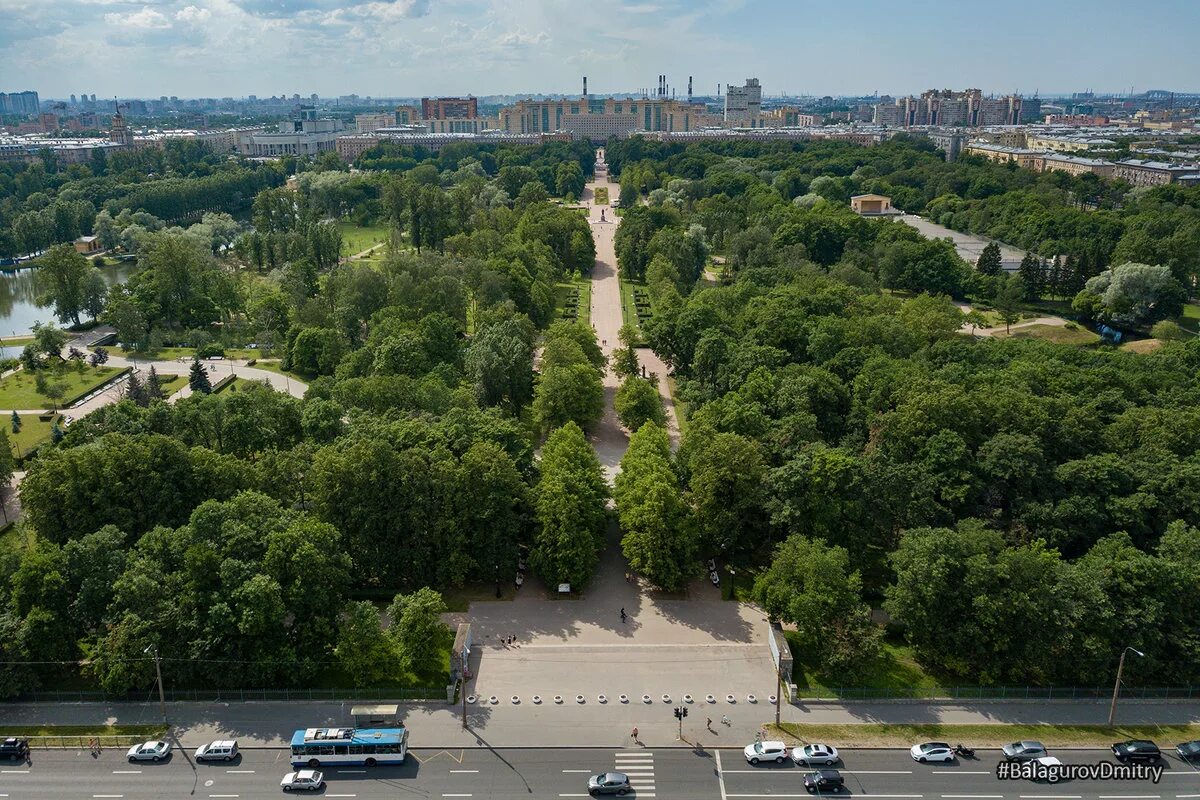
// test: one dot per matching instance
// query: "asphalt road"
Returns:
(549, 773)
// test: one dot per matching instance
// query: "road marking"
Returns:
(1051, 797)
(224, 795)
(965, 796)
(341, 795)
(1129, 797)
(965, 772)
(456, 795)
(240, 771)
(573, 795)
(1187, 795)
(463, 770)
(14, 771)
(108, 795)
(584, 771)
(721, 776)
(127, 772)
(351, 770)
(875, 771)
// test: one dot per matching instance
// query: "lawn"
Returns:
(601, 196)
(151, 731)
(895, 670)
(33, 432)
(982, 735)
(272, 365)
(1142, 346)
(629, 311)
(172, 383)
(17, 537)
(15, 341)
(19, 391)
(177, 353)
(1190, 318)
(581, 290)
(356, 239)
(681, 408)
(1054, 333)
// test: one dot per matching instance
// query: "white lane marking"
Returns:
(964, 772)
(877, 772)
(240, 771)
(721, 776)
(1187, 795)
(573, 795)
(1051, 797)
(224, 795)
(584, 771)
(624, 753)
(456, 795)
(341, 795)
(1128, 797)
(350, 770)
(463, 770)
(127, 772)
(966, 796)
(108, 795)
(14, 772)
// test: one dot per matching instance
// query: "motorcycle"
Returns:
(520, 579)
(965, 752)
(715, 578)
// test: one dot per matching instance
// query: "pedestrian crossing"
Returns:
(639, 766)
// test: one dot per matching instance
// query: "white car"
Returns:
(766, 751)
(1049, 762)
(149, 751)
(932, 751)
(308, 779)
(810, 754)
(226, 750)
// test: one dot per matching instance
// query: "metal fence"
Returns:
(111, 741)
(239, 695)
(999, 693)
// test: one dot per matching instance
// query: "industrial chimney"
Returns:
(689, 88)
(585, 85)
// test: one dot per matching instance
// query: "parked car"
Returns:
(224, 750)
(932, 751)
(149, 751)
(609, 783)
(766, 751)
(1142, 750)
(824, 780)
(306, 779)
(12, 747)
(1189, 751)
(810, 754)
(1023, 751)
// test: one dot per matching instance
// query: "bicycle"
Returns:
(726, 721)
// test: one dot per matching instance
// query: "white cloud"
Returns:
(146, 19)
(193, 14)
(523, 39)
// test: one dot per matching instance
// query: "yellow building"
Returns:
(872, 205)
(598, 118)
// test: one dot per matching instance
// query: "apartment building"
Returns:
(598, 118)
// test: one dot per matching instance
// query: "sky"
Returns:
(408, 48)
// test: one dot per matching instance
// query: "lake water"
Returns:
(18, 311)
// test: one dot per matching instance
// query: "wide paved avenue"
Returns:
(680, 773)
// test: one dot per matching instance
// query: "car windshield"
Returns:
(758, 748)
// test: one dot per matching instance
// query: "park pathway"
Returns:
(608, 437)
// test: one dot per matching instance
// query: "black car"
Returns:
(1189, 751)
(13, 747)
(824, 780)
(1137, 750)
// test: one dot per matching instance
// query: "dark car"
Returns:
(609, 783)
(1137, 750)
(824, 780)
(1023, 751)
(13, 747)
(1189, 751)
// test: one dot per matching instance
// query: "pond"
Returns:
(18, 310)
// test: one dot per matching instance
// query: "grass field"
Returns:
(873, 735)
(583, 288)
(1190, 318)
(176, 353)
(19, 391)
(172, 383)
(1054, 333)
(1142, 346)
(356, 239)
(896, 669)
(272, 365)
(629, 315)
(33, 432)
(145, 731)
(601, 195)
(15, 341)
(16, 538)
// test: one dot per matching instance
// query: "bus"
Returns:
(366, 747)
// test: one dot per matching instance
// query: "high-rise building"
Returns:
(598, 118)
(950, 108)
(449, 108)
(19, 103)
(119, 132)
(743, 104)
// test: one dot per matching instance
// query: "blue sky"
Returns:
(414, 47)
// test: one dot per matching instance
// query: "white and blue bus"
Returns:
(319, 747)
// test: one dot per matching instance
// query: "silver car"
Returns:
(1023, 751)
(149, 751)
(305, 779)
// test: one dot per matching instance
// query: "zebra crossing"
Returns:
(639, 766)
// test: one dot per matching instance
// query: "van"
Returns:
(217, 751)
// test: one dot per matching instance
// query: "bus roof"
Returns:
(349, 736)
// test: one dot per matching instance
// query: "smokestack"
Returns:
(585, 85)
(689, 88)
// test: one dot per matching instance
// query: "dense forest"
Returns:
(1021, 510)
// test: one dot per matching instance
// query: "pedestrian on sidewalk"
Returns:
(708, 724)
(622, 615)
(635, 734)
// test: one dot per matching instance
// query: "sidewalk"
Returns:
(439, 725)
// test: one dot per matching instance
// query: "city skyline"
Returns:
(422, 47)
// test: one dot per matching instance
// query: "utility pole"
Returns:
(1112, 709)
(462, 663)
(778, 689)
(162, 699)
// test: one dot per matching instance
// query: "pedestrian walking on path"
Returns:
(708, 724)
(635, 734)
(622, 615)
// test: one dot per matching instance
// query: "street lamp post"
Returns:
(162, 699)
(1112, 709)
